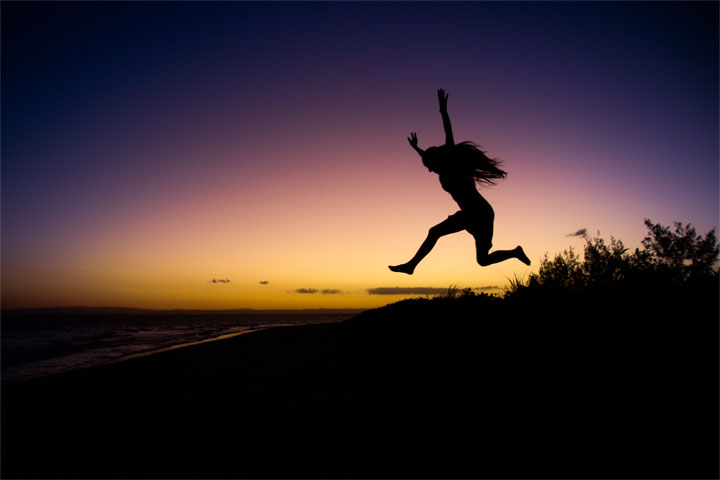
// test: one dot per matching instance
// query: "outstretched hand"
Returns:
(413, 139)
(442, 98)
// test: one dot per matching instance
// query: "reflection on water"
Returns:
(41, 344)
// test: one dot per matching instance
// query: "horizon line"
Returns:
(112, 309)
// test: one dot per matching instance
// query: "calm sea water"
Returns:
(40, 345)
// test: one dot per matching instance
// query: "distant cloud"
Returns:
(327, 291)
(306, 290)
(264, 282)
(220, 280)
(406, 291)
(331, 291)
(580, 233)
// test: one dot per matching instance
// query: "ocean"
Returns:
(41, 344)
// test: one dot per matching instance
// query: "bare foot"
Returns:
(521, 255)
(404, 268)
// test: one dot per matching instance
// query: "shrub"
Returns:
(667, 257)
(564, 271)
(680, 255)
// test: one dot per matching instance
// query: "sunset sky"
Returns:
(151, 148)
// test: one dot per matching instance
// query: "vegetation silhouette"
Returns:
(679, 259)
(460, 167)
(601, 365)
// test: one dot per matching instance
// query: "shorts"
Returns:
(479, 225)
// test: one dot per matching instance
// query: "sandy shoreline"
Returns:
(39, 345)
(165, 402)
(25, 378)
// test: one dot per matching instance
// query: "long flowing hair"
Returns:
(466, 158)
(472, 159)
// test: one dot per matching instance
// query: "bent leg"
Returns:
(454, 223)
(484, 258)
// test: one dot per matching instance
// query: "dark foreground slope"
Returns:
(538, 385)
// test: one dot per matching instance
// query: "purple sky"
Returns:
(134, 131)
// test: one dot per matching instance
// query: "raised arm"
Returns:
(414, 143)
(442, 98)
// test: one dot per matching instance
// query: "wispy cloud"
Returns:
(331, 291)
(406, 291)
(326, 291)
(264, 282)
(421, 290)
(580, 233)
(220, 280)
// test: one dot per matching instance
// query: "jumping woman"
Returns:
(460, 166)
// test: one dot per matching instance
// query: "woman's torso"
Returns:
(463, 190)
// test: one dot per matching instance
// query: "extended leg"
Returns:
(454, 223)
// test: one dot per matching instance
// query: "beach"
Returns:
(38, 342)
(451, 388)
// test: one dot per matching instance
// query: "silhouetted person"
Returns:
(460, 166)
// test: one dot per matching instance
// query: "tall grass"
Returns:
(516, 283)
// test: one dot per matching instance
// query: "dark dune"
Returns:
(537, 386)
